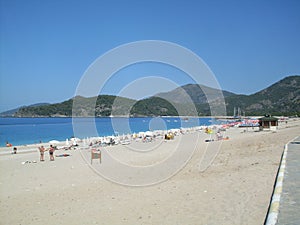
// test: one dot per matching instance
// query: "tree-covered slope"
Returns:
(196, 93)
(281, 98)
(102, 105)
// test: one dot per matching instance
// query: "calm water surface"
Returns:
(20, 131)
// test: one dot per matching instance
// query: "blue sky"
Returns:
(46, 46)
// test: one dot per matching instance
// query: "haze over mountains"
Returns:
(281, 98)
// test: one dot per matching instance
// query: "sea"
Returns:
(23, 131)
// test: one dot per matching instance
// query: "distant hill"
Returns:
(281, 98)
(11, 112)
(102, 105)
(196, 92)
(153, 106)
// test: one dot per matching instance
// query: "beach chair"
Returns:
(95, 154)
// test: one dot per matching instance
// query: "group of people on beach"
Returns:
(51, 152)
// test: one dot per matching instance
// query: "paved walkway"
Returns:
(289, 208)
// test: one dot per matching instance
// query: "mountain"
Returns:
(11, 112)
(102, 105)
(281, 98)
(197, 94)
(153, 106)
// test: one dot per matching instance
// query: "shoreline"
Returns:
(70, 118)
(112, 134)
(26, 145)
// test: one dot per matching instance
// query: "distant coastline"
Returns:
(280, 99)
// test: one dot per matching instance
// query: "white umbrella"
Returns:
(67, 142)
(141, 134)
(54, 142)
(75, 139)
(149, 133)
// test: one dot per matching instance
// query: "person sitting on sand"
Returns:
(15, 150)
(51, 152)
(42, 151)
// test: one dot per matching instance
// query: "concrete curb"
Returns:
(273, 211)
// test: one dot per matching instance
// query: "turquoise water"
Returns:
(20, 131)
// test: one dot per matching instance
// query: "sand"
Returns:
(235, 189)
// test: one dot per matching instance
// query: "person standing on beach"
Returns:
(42, 151)
(51, 152)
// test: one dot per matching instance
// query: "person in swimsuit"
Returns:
(42, 150)
(51, 152)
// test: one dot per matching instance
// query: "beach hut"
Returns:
(268, 123)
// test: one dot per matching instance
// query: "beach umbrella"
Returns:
(149, 133)
(67, 142)
(54, 142)
(141, 134)
(75, 139)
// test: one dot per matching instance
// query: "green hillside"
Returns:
(99, 106)
(153, 106)
(281, 98)
(197, 94)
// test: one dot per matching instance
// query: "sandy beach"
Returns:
(235, 189)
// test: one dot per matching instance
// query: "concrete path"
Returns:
(289, 208)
